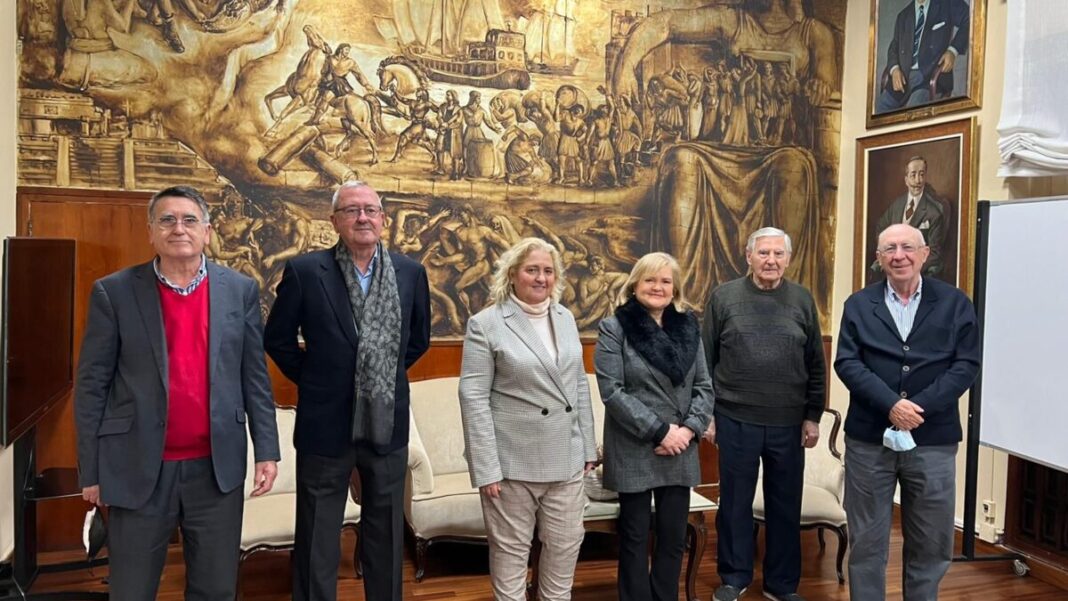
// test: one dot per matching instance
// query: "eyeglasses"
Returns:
(354, 212)
(890, 249)
(169, 222)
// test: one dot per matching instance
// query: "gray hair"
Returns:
(179, 192)
(352, 183)
(501, 286)
(768, 232)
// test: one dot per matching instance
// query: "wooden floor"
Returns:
(459, 572)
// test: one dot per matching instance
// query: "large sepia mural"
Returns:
(608, 127)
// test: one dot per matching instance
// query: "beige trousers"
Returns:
(556, 508)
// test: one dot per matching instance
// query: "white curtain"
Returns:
(1033, 131)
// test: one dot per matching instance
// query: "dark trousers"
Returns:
(637, 582)
(742, 447)
(322, 487)
(185, 496)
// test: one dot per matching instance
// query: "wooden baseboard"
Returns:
(1047, 572)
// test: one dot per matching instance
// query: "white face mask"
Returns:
(898, 440)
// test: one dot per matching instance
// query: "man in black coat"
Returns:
(364, 316)
(929, 35)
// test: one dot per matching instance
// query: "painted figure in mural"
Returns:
(235, 244)
(694, 112)
(665, 103)
(769, 102)
(626, 136)
(597, 293)
(468, 250)
(419, 109)
(787, 89)
(550, 138)
(928, 37)
(521, 162)
(478, 149)
(91, 57)
(292, 227)
(709, 105)
(302, 86)
(333, 80)
(449, 145)
(921, 208)
(569, 150)
(599, 147)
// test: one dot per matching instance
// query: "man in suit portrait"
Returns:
(171, 371)
(765, 351)
(364, 316)
(923, 210)
(929, 36)
(908, 349)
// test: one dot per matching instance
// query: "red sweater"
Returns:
(185, 321)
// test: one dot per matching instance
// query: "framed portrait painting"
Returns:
(925, 58)
(924, 177)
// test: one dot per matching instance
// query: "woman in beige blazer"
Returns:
(528, 424)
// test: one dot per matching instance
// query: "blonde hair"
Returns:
(509, 262)
(652, 263)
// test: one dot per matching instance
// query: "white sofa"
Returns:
(440, 503)
(270, 519)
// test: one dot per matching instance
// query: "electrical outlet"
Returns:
(989, 510)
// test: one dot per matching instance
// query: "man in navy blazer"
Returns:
(908, 349)
(364, 316)
(929, 35)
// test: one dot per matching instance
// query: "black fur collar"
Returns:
(671, 348)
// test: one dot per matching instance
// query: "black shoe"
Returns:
(171, 35)
(783, 597)
(727, 592)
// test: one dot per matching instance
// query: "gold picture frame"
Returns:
(927, 91)
(946, 207)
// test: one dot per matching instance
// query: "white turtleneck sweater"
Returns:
(538, 315)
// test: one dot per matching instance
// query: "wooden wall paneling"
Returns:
(111, 233)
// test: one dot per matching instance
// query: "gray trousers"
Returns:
(185, 496)
(927, 475)
(556, 509)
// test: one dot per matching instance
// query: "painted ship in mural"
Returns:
(463, 42)
(550, 33)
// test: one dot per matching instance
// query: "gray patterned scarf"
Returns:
(378, 325)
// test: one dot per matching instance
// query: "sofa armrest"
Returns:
(422, 474)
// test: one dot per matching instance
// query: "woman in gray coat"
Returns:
(658, 400)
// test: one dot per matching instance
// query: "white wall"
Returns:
(8, 152)
(993, 465)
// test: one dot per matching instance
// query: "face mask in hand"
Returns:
(898, 440)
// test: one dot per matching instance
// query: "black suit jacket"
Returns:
(946, 23)
(933, 367)
(120, 400)
(312, 299)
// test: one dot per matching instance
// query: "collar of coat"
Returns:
(671, 348)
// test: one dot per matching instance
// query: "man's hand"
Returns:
(590, 466)
(897, 80)
(945, 64)
(810, 433)
(491, 491)
(92, 494)
(266, 472)
(906, 415)
(710, 433)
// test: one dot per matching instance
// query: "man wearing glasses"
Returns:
(908, 349)
(364, 315)
(171, 370)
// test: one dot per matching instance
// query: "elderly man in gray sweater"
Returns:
(762, 339)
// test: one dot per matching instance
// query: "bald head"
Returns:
(902, 252)
(902, 229)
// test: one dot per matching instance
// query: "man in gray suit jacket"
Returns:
(169, 374)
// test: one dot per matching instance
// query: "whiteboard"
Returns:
(1024, 312)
